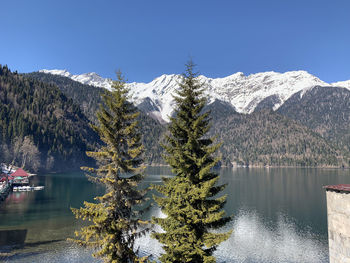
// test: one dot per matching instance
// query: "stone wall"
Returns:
(338, 212)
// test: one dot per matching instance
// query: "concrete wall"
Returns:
(338, 212)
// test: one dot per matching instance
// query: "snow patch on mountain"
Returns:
(91, 78)
(343, 84)
(241, 91)
(61, 72)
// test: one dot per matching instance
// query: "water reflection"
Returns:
(255, 240)
(279, 216)
(295, 192)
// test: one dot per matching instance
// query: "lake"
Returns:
(279, 216)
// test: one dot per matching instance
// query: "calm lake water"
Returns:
(279, 216)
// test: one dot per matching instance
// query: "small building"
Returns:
(338, 216)
(20, 177)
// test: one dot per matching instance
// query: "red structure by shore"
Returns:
(20, 177)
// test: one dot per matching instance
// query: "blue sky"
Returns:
(148, 38)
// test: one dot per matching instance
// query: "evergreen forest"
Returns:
(39, 114)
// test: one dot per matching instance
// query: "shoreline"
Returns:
(264, 166)
(222, 167)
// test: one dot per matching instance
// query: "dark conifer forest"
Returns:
(53, 124)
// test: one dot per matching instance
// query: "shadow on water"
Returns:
(35, 244)
(10, 257)
(12, 240)
(12, 237)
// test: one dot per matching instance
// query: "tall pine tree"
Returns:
(115, 215)
(189, 199)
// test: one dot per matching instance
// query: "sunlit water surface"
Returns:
(279, 216)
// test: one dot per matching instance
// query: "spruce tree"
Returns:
(189, 199)
(115, 215)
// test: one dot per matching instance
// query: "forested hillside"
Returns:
(86, 96)
(89, 99)
(325, 110)
(267, 138)
(40, 128)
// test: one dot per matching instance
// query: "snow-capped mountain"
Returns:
(242, 92)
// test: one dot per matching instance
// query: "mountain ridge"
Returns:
(243, 92)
